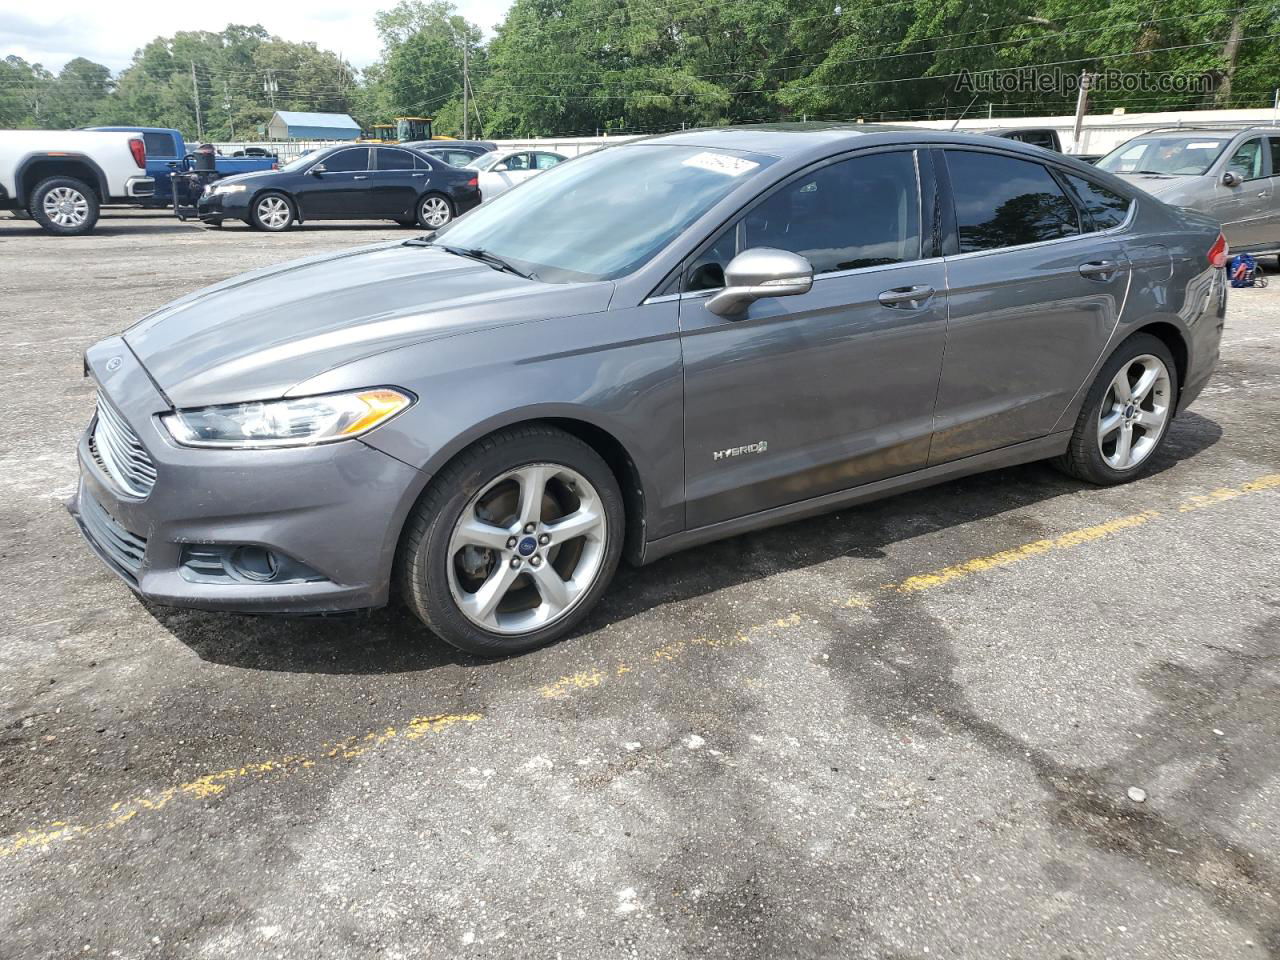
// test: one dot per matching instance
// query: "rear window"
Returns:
(1107, 207)
(1006, 202)
(160, 144)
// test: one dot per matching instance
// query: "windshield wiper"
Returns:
(1154, 173)
(484, 256)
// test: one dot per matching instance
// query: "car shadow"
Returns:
(392, 640)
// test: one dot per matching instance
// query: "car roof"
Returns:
(1224, 132)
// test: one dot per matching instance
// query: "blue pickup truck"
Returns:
(167, 153)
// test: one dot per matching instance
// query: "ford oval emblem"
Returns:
(114, 364)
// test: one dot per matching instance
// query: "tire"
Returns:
(64, 206)
(444, 573)
(272, 212)
(1096, 453)
(435, 210)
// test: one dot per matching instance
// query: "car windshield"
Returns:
(298, 162)
(1171, 156)
(485, 160)
(605, 214)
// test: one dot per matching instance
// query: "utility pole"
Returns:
(195, 90)
(269, 87)
(466, 82)
(1082, 106)
(226, 102)
(1230, 53)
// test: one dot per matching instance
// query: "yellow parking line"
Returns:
(212, 784)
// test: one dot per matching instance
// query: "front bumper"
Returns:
(216, 207)
(338, 508)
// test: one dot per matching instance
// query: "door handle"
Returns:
(1099, 269)
(419, 174)
(360, 176)
(909, 297)
(1263, 193)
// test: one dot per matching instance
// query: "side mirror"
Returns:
(1232, 179)
(317, 169)
(758, 273)
(501, 168)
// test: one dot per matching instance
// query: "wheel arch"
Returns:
(604, 441)
(1173, 338)
(39, 166)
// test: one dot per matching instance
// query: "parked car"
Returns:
(1232, 175)
(168, 152)
(501, 170)
(61, 178)
(253, 152)
(1044, 137)
(456, 152)
(345, 183)
(675, 340)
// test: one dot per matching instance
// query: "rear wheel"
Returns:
(1126, 414)
(513, 542)
(273, 212)
(64, 206)
(434, 211)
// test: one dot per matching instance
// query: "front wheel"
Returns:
(513, 542)
(1126, 414)
(64, 206)
(434, 211)
(273, 212)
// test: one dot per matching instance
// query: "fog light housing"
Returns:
(243, 563)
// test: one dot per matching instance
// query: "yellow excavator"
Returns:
(404, 130)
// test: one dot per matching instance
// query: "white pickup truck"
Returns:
(62, 177)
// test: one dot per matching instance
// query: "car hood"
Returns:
(1156, 186)
(257, 335)
(250, 175)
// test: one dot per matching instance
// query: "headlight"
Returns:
(287, 423)
(229, 188)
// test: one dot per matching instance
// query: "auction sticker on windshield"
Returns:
(721, 163)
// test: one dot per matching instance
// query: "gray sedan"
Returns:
(676, 340)
(1231, 175)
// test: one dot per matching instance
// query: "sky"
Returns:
(109, 32)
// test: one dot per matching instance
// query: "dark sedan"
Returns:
(345, 183)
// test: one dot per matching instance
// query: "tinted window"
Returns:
(160, 144)
(857, 213)
(1275, 156)
(345, 161)
(393, 159)
(1247, 159)
(1107, 207)
(545, 161)
(422, 163)
(1003, 202)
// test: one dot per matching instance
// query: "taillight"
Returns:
(1218, 252)
(473, 182)
(139, 151)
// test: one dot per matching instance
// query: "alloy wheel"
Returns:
(436, 212)
(1134, 412)
(66, 206)
(527, 548)
(274, 213)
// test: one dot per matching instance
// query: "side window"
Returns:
(1275, 156)
(1041, 138)
(347, 161)
(421, 163)
(517, 161)
(1004, 202)
(706, 271)
(1247, 160)
(545, 161)
(160, 145)
(1107, 207)
(388, 159)
(861, 212)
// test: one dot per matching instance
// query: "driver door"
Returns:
(1245, 209)
(339, 191)
(812, 394)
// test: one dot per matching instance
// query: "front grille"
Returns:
(119, 453)
(125, 549)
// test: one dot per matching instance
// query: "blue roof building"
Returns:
(291, 125)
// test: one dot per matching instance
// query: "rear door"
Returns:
(340, 191)
(812, 394)
(1035, 290)
(395, 182)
